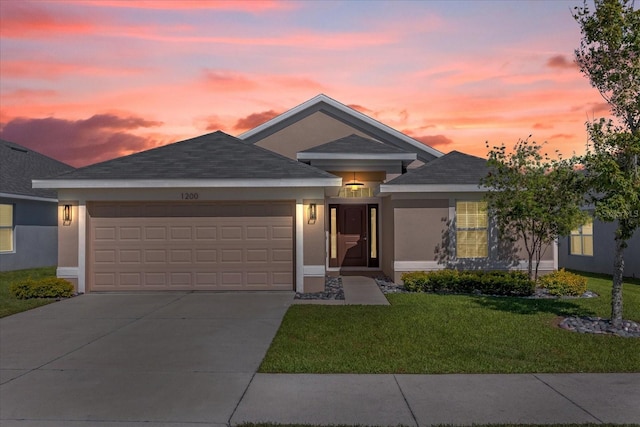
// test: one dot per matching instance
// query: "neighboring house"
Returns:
(591, 248)
(28, 216)
(318, 190)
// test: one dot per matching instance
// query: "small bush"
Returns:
(483, 282)
(50, 287)
(563, 283)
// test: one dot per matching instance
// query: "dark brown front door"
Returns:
(352, 235)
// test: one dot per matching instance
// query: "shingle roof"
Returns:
(452, 168)
(211, 156)
(19, 165)
(355, 144)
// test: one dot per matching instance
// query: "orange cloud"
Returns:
(542, 126)
(80, 142)
(562, 136)
(434, 140)
(51, 70)
(255, 119)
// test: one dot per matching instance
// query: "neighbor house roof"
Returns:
(19, 165)
(347, 115)
(356, 147)
(211, 160)
(454, 171)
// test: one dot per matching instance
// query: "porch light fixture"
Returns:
(66, 215)
(354, 185)
(312, 213)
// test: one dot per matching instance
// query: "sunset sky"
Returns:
(85, 81)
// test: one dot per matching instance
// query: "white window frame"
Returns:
(460, 228)
(11, 227)
(579, 233)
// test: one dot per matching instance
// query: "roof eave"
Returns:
(192, 183)
(431, 188)
(357, 156)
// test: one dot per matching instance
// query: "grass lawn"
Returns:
(8, 303)
(437, 334)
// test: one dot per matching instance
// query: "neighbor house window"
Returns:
(472, 230)
(582, 239)
(6, 228)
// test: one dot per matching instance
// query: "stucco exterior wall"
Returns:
(316, 129)
(68, 237)
(603, 252)
(35, 235)
(387, 238)
(314, 247)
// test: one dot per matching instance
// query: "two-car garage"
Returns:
(138, 246)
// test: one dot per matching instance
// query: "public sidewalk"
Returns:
(423, 400)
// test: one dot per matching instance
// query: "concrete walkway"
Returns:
(358, 290)
(424, 400)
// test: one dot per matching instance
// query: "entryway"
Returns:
(353, 235)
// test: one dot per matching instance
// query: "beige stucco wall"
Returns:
(314, 130)
(387, 252)
(314, 235)
(68, 236)
(419, 225)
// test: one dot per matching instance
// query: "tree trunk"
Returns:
(616, 290)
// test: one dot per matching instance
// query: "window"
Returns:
(6, 228)
(582, 239)
(472, 230)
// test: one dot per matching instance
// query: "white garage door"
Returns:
(195, 246)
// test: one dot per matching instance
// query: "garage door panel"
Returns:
(195, 252)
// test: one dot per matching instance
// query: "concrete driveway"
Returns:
(167, 359)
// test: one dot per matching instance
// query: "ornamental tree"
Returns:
(609, 56)
(533, 198)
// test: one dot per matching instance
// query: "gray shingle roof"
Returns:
(355, 144)
(19, 165)
(452, 168)
(211, 156)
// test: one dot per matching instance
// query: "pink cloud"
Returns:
(434, 140)
(80, 142)
(228, 81)
(227, 5)
(26, 19)
(255, 119)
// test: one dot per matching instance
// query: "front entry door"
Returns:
(352, 235)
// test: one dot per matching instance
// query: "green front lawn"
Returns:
(8, 303)
(437, 334)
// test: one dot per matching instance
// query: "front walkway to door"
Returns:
(358, 290)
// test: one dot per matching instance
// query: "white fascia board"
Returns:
(193, 183)
(432, 188)
(324, 98)
(24, 197)
(356, 156)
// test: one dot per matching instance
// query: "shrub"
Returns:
(563, 283)
(49, 287)
(455, 281)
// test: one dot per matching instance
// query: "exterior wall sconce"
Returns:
(312, 213)
(66, 215)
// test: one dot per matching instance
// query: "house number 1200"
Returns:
(189, 196)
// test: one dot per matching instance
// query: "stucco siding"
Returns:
(387, 252)
(311, 131)
(419, 225)
(603, 252)
(314, 235)
(68, 238)
(35, 246)
(35, 235)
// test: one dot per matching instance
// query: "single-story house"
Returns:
(28, 216)
(317, 190)
(591, 247)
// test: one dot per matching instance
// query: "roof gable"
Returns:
(19, 165)
(214, 156)
(347, 115)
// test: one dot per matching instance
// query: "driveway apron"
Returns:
(123, 359)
